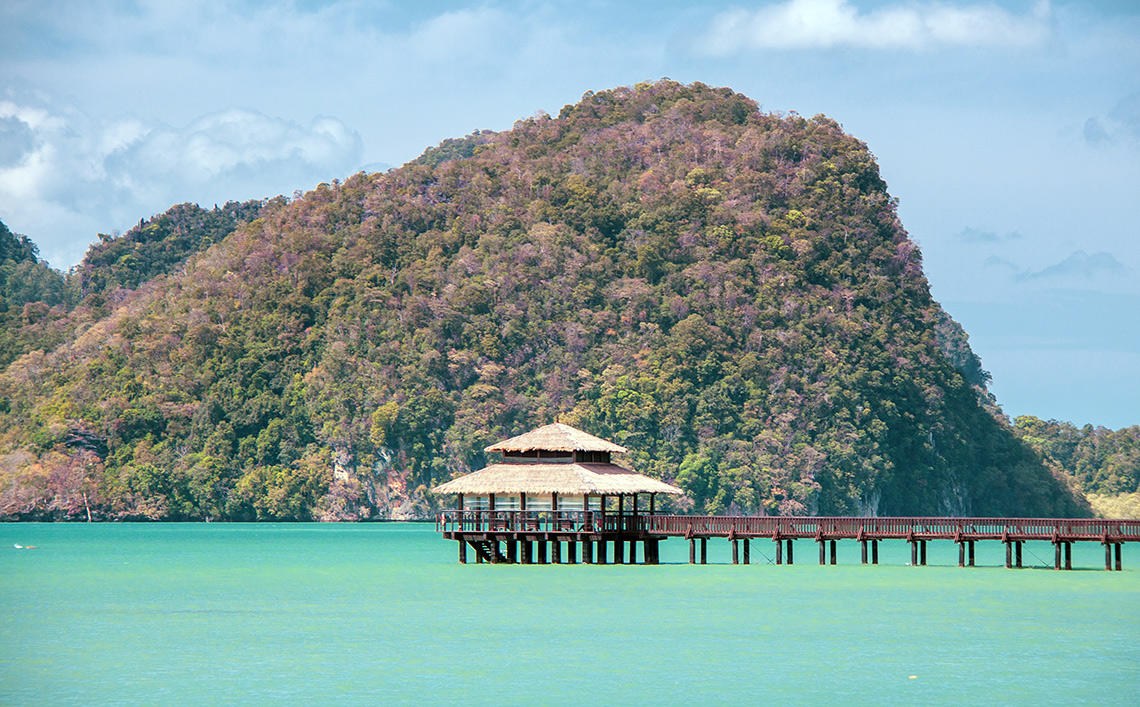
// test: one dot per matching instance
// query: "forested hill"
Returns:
(727, 293)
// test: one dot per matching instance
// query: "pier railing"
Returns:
(787, 527)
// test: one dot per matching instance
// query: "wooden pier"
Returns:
(600, 537)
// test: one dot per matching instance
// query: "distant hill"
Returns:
(727, 293)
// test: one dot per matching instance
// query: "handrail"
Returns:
(790, 527)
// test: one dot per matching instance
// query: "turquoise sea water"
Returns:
(379, 614)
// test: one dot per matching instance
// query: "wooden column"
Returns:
(462, 552)
(704, 551)
(525, 548)
(619, 547)
(588, 552)
(913, 553)
(779, 552)
(833, 552)
(522, 500)
(1068, 555)
(1108, 556)
(1119, 564)
(822, 551)
(692, 551)
(1018, 551)
(491, 502)
(874, 552)
(512, 554)
(478, 557)
(971, 553)
(735, 552)
(556, 552)
(602, 552)
(1008, 554)
(922, 552)
(633, 552)
(620, 519)
(652, 499)
(572, 551)
(542, 552)
(961, 553)
(747, 559)
(1057, 555)
(459, 503)
(554, 501)
(789, 551)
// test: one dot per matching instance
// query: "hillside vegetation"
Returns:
(727, 293)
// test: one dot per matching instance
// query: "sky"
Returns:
(1008, 130)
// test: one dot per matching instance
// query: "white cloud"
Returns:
(824, 24)
(70, 175)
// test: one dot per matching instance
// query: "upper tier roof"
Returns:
(556, 438)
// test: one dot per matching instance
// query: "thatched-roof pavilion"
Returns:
(552, 467)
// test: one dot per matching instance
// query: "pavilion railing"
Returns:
(596, 521)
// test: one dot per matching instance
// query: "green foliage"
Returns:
(727, 293)
(1103, 461)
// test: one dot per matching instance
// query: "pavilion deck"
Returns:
(525, 536)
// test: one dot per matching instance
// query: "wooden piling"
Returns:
(922, 552)
(779, 552)
(601, 552)
(1119, 564)
(822, 551)
(1068, 555)
(1019, 544)
(692, 551)
(971, 559)
(874, 552)
(833, 552)
(1057, 555)
(913, 553)
(572, 552)
(619, 551)
(588, 552)
(863, 552)
(746, 554)
(961, 553)
(512, 551)
(1108, 556)
(735, 552)
(462, 552)
(789, 551)
(633, 551)
(556, 552)
(704, 551)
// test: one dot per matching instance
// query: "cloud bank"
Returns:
(64, 174)
(827, 24)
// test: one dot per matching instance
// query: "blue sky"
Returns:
(1009, 130)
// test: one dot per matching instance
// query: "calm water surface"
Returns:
(260, 614)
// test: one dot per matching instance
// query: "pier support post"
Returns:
(692, 551)
(572, 552)
(913, 553)
(863, 551)
(704, 551)
(874, 552)
(1008, 554)
(633, 552)
(961, 553)
(789, 551)
(735, 551)
(822, 551)
(971, 553)
(602, 552)
(619, 551)
(542, 552)
(462, 552)
(556, 552)
(652, 548)
(779, 552)
(1068, 555)
(833, 552)
(746, 557)
(1119, 564)
(1057, 555)
(512, 551)
(478, 558)
(922, 552)
(527, 552)
(1019, 544)
(588, 552)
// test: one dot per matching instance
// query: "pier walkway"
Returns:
(539, 537)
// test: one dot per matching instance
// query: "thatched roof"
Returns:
(563, 479)
(557, 438)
